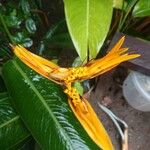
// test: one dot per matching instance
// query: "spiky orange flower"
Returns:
(67, 76)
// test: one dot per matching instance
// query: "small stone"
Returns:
(106, 101)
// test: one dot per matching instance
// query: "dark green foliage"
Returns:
(19, 21)
(12, 131)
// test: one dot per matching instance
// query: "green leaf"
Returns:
(79, 87)
(56, 38)
(61, 40)
(12, 130)
(12, 20)
(117, 4)
(58, 28)
(30, 25)
(3, 53)
(142, 8)
(20, 38)
(53, 30)
(88, 22)
(27, 42)
(25, 7)
(127, 7)
(44, 108)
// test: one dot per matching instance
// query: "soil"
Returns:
(109, 92)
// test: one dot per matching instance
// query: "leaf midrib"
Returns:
(18, 142)
(141, 11)
(3, 99)
(10, 121)
(87, 22)
(43, 102)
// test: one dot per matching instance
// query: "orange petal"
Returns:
(117, 46)
(92, 124)
(108, 64)
(44, 67)
(29, 59)
(116, 56)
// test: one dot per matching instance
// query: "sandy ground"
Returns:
(109, 92)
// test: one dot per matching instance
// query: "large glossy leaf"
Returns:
(12, 131)
(45, 110)
(88, 22)
(142, 8)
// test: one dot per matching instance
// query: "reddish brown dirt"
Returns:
(109, 92)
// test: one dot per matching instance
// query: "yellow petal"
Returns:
(44, 67)
(117, 46)
(92, 124)
(108, 64)
(116, 56)
(30, 60)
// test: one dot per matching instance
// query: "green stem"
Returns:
(122, 14)
(6, 29)
(129, 7)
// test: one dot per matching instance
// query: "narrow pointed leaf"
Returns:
(88, 22)
(12, 130)
(142, 8)
(44, 108)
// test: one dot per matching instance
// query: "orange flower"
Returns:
(66, 76)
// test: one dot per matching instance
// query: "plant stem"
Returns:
(115, 119)
(129, 8)
(44, 15)
(6, 29)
